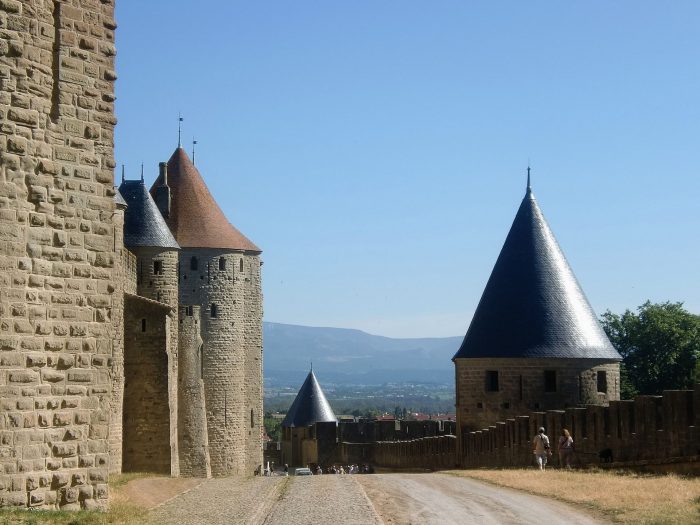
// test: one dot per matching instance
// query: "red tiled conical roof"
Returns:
(195, 218)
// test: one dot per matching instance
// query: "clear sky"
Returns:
(376, 151)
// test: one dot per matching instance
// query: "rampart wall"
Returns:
(649, 429)
(57, 251)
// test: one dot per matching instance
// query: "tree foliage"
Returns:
(659, 345)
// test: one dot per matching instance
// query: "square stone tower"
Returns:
(57, 253)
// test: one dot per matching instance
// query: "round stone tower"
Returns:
(219, 270)
(534, 342)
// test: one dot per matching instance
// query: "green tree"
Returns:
(659, 345)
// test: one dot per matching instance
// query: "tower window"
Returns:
(252, 418)
(550, 381)
(157, 267)
(492, 381)
(214, 311)
(240, 265)
(189, 311)
(222, 264)
(143, 325)
(602, 381)
(194, 264)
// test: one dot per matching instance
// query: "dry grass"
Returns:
(623, 497)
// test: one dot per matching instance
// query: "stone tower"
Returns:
(57, 251)
(151, 337)
(309, 407)
(219, 270)
(534, 342)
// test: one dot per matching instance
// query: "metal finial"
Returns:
(122, 173)
(142, 172)
(194, 143)
(179, 130)
(528, 179)
(312, 366)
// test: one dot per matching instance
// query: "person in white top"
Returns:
(540, 448)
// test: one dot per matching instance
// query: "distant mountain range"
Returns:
(353, 357)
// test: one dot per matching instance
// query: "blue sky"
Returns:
(376, 151)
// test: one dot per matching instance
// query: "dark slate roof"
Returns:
(143, 223)
(118, 199)
(533, 305)
(310, 406)
(195, 218)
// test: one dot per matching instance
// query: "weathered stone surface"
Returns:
(49, 139)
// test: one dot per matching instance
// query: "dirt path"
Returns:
(392, 499)
(442, 499)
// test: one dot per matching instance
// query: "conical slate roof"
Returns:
(310, 406)
(533, 305)
(119, 200)
(195, 218)
(143, 223)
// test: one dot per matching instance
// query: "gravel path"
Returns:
(308, 500)
(221, 501)
(323, 500)
(442, 499)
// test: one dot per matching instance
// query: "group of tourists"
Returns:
(543, 451)
(346, 469)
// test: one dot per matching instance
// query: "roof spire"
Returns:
(122, 172)
(194, 143)
(142, 172)
(528, 189)
(179, 130)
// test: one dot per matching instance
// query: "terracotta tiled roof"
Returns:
(533, 305)
(195, 218)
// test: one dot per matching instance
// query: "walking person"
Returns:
(540, 448)
(566, 449)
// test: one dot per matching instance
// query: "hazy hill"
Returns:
(347, 356)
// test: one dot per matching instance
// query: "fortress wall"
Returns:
(147, 416)
(227, 380)
(521, 387)
(192, 418)
(253, 361)
(648, 428)
(57, 251)
(162, 286)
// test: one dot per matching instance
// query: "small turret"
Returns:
(162, 192)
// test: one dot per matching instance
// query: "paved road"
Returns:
(443, 499)
(391, 499)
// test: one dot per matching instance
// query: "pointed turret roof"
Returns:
(533, 305)
(310, 406)
(119, 200)
(195, 218)
(143, 223)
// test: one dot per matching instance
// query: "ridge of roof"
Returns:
(532, 305)
(310, 406)
(195, 218)
(143, 223)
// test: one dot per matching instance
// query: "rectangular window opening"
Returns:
(602, 382)
(157, 267)
(492, 381)
(550, 381)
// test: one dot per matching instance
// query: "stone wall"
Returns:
(192, 417)
(56, 251)
(147, 416)
(161, 285)
(522, 387)
(231, 313)
(648, 428)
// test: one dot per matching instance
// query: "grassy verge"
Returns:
(120, 512)
(623, 497)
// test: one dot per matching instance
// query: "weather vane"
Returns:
(179, 130)
(194, 143)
